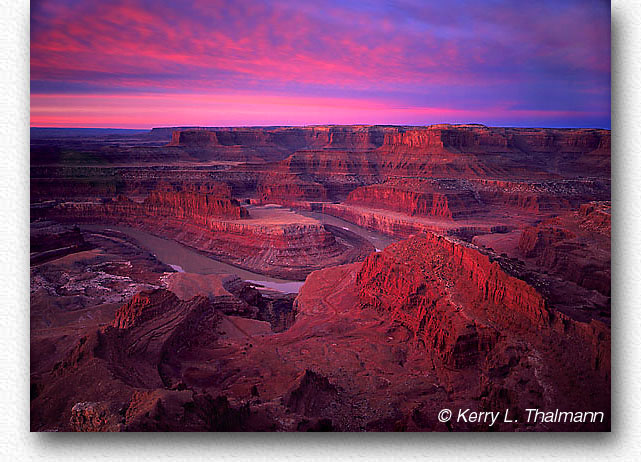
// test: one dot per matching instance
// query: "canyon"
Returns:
(445, 266)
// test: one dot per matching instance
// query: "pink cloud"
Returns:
(469, 55)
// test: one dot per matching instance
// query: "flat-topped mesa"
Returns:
(580, 140)
(439, 137)
(271, 241)
(275, 143)
(248, 137)
(498, 139)
(289, 251)
(417, 197)
(484, 152)
(193, 137)
(364, 137)
(235, 144)
(451, 151)
(288, 138)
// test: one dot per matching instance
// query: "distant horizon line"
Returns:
(317, 125)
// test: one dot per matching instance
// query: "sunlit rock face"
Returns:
(457, 266)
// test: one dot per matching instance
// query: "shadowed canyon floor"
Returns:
(345, 278)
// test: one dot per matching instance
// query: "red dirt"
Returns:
(498, 296)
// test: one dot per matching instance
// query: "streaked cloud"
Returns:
(252, 62)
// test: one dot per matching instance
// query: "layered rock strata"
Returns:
(468, 312)
(574, 245)
(417, 197)
(499, 298)
(124, 376)
(280, 244)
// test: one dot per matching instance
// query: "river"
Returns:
(185, 259)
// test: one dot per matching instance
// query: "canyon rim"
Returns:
(352, 223)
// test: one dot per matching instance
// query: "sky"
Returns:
(152, 63)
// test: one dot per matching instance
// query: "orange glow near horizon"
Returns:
(154, 110)
(122, 63)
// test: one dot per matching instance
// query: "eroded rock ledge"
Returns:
(271, 241)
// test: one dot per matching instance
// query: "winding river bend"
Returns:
(185, 259)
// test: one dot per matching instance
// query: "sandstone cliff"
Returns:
(418, 197)
(470, 313)
(289, 247)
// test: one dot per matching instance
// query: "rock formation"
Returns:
(417, 197)
(494, 293)
(468, 312)
(221, 227)
(126, 376)
(573, 245)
